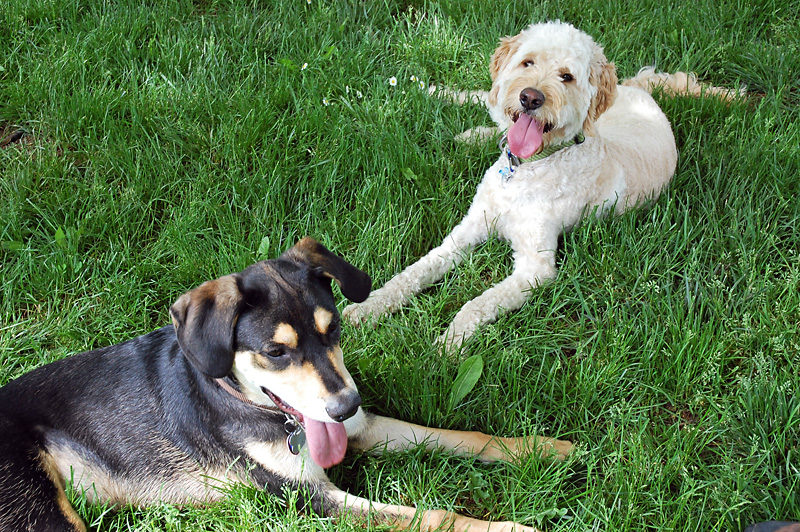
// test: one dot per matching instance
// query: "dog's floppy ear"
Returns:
(204, 320)
(603, 76)
(508, 46)
(354, 283)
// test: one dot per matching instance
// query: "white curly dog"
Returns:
(575, 142)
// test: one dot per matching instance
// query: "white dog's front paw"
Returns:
(465, 323)
(356, 314)
(359, 313)
(451, 341)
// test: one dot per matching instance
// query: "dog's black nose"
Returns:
(531, 99)
(345, 406)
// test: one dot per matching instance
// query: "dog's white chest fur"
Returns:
(625, 163)
(556, 188)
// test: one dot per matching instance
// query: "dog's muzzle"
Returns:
(344, 406)
(531, 99)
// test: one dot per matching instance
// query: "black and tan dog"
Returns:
(248, 386)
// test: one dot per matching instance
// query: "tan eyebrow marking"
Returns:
(336, 356)
(286, 335)
(322, 319)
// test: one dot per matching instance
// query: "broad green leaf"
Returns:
(468, 374)
(11, 245)
(61, 238)
(263, 248)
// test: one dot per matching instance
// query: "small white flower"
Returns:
(305, 66)
(308, 1)
(347, 89)
(414, 78)
(358, 93)
(325, 101)
(393, 81)
(421, 84)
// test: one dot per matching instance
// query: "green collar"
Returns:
(550, 150)
(514, 161)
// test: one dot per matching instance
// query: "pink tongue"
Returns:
(327, 442)
(525, 136)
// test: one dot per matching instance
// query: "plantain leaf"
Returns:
(263, 248)
(468, 374)
(61, 238)
(11, 245)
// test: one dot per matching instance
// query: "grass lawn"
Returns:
(167, 143)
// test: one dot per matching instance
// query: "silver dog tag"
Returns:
(295, 435)
(296, 440)
(513, 161)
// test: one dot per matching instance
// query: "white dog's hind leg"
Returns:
(680, 84)
(459, 97)
(478, 134)
(471, 231)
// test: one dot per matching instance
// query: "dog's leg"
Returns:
(405, 517)
(509, 294)
(32, 496)
(472, 230)
(460, 97)
(385, 434)
(473, 135)
(382, 433)
(478, 134)
(680, 84)
(530, 270)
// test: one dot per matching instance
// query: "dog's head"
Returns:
(549, 83)
(275, 328)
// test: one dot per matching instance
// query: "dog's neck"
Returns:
(514, 161)
(295, 432)
(225, 385)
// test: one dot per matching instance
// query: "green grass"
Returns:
(171, 142)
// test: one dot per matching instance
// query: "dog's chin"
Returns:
(327, 442)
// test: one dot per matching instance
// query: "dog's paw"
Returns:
(548, 447)
(458, 332)
(447, 520)
(544, 447)
(512, 449)
(478, 135)
(459, 97)
(557, 449)
(355, 314)
(451, 342)
(506, 526)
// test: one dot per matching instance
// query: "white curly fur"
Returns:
(628, 157)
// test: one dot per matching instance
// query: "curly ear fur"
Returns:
(603, 76)
(354, 283)
(507, 47)
(204, 321)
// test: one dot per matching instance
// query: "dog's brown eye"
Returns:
(567, 77)
(527, 63)
(275, 352)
